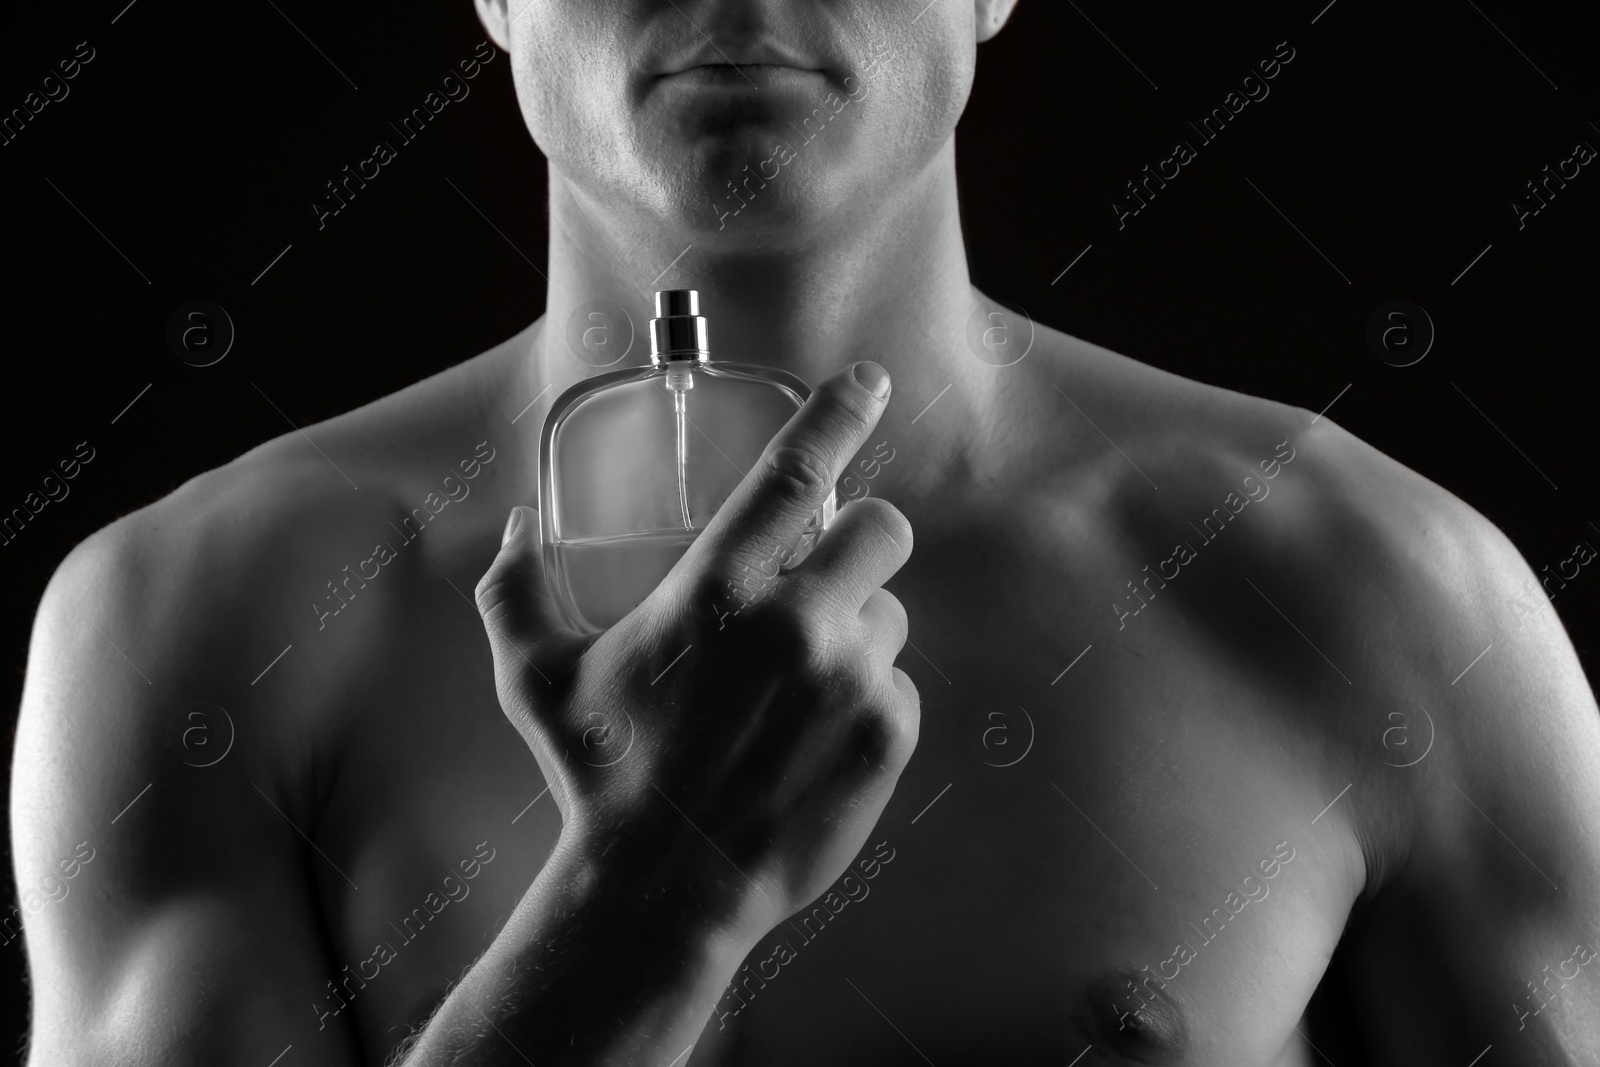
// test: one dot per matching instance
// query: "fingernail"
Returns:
(513, 524)
(873, 377)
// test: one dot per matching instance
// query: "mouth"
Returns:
(735, 59)
(746, 75)
(762, 67)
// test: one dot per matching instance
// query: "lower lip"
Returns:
(751, 76)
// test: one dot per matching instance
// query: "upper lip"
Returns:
(714, 53)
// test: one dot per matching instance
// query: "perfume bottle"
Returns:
(634, 463)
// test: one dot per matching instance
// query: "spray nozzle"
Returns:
(678, 331)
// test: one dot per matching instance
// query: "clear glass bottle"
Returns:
(634, 463)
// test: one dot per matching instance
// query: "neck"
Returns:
(884, 278)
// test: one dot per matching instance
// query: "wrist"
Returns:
(626, 904)
(677, 887)
(607, 960)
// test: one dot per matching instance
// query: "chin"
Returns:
(761, 181)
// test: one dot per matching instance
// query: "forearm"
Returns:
(600, 964)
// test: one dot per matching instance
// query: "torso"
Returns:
(1011, 886)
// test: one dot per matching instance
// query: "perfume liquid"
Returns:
(633, 464)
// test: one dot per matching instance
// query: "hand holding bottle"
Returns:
(733, 766)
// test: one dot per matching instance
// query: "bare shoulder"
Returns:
(1297, 543)
(194, 595)
(165, 574)
(1348, 527)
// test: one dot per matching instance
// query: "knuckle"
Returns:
(810, 637)
(508, 580)
(804, 634)
(907, 688)
(907, 719)
(711, 586)
(884, 608)
(778, 630)
(910, 706)
(492, 593)
(878, 736)
(909, 728)
(801, 471)
(824, 617)
(727, 585)
(508, 600)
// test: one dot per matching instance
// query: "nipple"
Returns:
(1137, 1021)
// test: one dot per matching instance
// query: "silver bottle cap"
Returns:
(678, 331)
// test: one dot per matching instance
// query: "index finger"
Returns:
(768, 511)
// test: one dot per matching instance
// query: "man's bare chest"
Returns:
(1083, 849)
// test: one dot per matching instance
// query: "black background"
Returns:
(1395, 140)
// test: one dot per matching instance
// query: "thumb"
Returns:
(524, 631)
(535, 657)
